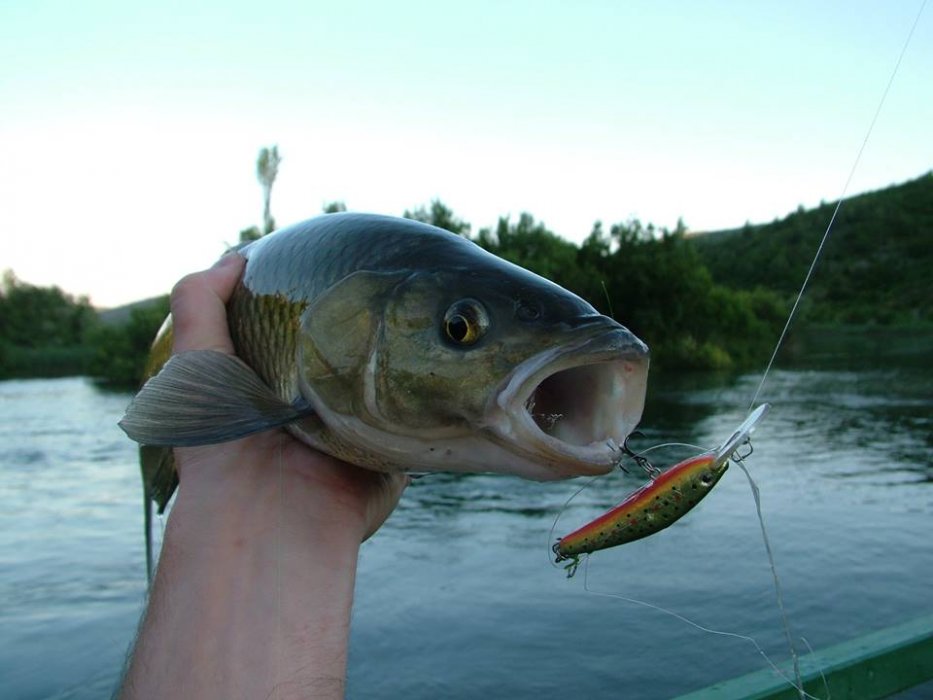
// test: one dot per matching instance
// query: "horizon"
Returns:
(130, 133)
(474, 230)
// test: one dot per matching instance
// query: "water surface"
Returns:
(456, 595)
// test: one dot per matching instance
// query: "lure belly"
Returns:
(656, 505)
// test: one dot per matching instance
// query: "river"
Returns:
(456, 597)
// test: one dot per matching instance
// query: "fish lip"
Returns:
(613, 357)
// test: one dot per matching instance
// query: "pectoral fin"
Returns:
(203, 397)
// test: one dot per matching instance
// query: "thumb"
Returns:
(199, 311)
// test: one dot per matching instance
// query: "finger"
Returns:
(199, 311)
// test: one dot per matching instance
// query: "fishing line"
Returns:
(797, 682)
(819, 668)
(608, 300)
(797, 686)
(774, 574)
(832, 219)
(790, 317)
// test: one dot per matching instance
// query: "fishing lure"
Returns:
(658, 504)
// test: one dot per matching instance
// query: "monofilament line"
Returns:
(832, 219)
(280, 526)
(778, 592)
(708, 630)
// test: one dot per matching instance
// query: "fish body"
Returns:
(398, 346)
(656, 505)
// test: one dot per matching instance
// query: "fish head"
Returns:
(488, 368)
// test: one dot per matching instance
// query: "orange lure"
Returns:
(656, 505)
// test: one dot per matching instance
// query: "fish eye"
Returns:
(465, 322)
(706, 478)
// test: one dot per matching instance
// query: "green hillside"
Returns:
(712, 300)
(877, 266)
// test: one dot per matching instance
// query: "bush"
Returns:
(17, 362)
(119, 352)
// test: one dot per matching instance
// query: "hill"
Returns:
(875, 269)
(121, 314)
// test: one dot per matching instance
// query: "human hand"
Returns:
(254, 587)
(337, 491)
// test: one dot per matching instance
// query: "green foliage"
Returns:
(18, 362)
(875, 268)
(42, 330)
(250, 234)
(334, 207)
(32, 316)
(530, 244)
(267, 169)
(652, 281)
(441, 216)
(119, 351)
(710, 301)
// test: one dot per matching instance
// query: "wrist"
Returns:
(237, 486)
(255, 577)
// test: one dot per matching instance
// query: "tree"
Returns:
(441, 216)
(32, 316)
(334, 207)
(267, 168)
(42, 330)
(530, 244)
(250, 234)
(120, 352)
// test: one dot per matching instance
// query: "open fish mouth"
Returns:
(572, 408)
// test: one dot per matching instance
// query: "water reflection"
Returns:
(858, 349)
(456, 595)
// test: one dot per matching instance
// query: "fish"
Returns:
(398, 347)
(655, 506)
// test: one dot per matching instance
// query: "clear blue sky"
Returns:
(129, 131)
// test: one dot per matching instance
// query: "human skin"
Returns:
(254, 587)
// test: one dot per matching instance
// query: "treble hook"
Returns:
(640, 460)
(615, 448)
(570, 568)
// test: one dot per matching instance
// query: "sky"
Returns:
(129, 130)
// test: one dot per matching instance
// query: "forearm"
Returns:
(252, 599)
